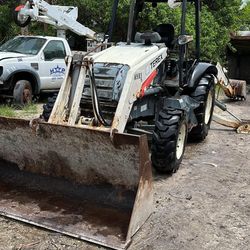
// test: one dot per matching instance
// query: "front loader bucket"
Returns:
(75, 181)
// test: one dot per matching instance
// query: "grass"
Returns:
(30, 109)
(26, 112)
(7, 111)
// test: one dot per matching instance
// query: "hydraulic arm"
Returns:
(62, 17)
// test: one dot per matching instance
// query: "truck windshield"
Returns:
(23, 45)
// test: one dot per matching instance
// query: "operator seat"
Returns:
(148, 37)
(167, 33)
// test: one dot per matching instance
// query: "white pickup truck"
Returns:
(30, 65)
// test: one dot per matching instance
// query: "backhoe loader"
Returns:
(87, 171)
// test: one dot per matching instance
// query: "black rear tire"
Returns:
(169, 140)
(205, 95)
(21, 22)
(48, 107)
(22, 93)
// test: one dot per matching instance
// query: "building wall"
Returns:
(239, 61)
(239, 67)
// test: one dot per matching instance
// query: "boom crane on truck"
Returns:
(31, 65)
(62, 17)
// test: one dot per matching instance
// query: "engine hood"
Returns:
(125, 54)
(10, 55)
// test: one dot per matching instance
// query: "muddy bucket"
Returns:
(75, 181)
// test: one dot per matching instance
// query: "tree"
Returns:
(7, 28)
(245, 18)
(219, 18)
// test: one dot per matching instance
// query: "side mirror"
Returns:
(100, 37)
(184, 39)
(42, 56)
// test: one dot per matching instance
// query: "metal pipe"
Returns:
(223, 107)
(131, 21)
(197, 28)
(182, 47)
(113, 19)
(95, 102)
(183, 17)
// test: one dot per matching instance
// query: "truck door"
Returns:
(52, 66)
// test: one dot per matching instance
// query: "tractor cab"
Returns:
(178, 66)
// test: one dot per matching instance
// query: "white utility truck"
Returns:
(30, 65)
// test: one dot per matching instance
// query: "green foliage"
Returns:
(27, 111)
(245, 18)
(7, 28)
(219, 18)
(214, 36)
(30, 109)
(6, 111)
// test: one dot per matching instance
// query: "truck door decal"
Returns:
(57, 72)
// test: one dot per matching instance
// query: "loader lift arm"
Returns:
(92, 172)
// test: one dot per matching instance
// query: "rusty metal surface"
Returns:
(227, 122)
(105, 194)
(143, 206)
(82, 155)
(97, 214)
(241, 127)
(239, 89)
(244, 128)
(234, 89)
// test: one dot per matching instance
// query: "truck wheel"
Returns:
(22, 93)
(205, 95)
(21, 20)
(47, 108)
(169, 140)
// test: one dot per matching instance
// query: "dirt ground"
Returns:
(205, 205)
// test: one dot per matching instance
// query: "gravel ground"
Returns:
(205, 205)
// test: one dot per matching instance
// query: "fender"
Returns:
(185, 103)
(199, 71)
(35, 85)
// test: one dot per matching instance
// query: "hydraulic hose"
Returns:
(95, 101)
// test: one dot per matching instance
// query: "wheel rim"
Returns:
(209, 107)
(181, 141)
(27, 96)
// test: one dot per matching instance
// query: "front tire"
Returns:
(169, 140)
(48, 107)
(22, 93)
(205, 95)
